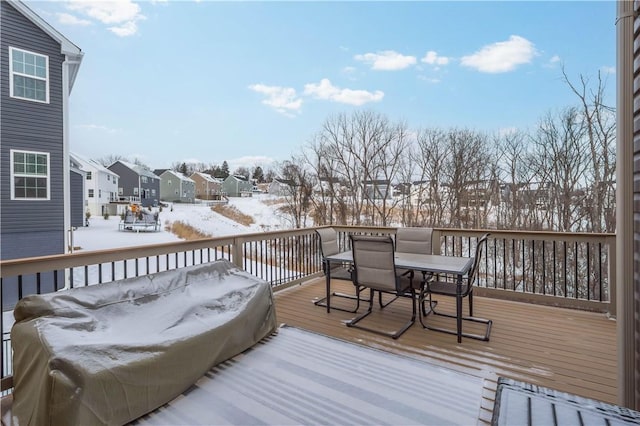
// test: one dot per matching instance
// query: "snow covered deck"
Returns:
(564, 349)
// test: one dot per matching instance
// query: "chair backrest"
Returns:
(480, 246)
(328, 241)
(373, 262)
(414, 240)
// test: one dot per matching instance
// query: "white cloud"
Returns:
(68, 19)
(553, 62)
(608, 70)
(96, 127)
(326, 90)
(387, 60)
(432, 58)
(282, 99)
(125, 30)
(502, 56)
(433, 80)
(121, 15)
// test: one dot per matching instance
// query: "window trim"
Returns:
(13, 175)
(12, 73)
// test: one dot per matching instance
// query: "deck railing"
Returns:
(560, 269)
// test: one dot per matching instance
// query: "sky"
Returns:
(251, 83)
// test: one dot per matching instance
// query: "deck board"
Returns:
(564, 349)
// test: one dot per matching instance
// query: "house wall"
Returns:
(104, 185)
(173, 188)
(636, 196)
(77, 198)
(234, 187)
(127, 181)
(30, 228)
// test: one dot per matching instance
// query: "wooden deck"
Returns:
(567, 350)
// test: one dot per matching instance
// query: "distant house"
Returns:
(207, 187)
(38, 68)
(136, 184)
(378, 190)
(423, 191)
(281, 187)
(237, 186)
(101, 185)
(327, 184)
(177, 188)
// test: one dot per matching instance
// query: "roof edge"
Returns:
(67, 47)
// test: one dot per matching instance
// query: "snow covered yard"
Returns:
(104, 234)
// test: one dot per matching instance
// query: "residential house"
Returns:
(38, 68)
(326, 185)
(378, 189)
(422, 191)
(176, 187)
(101, 185)
(237, 186)
(281, 187)
(136, 184)
(207, 187)
(479, 193)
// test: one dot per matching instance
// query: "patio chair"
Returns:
(415, 240)
(374, 268)
(447, 286)
(329, 246)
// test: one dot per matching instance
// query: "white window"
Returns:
(108, 178)
(135, 191)
(169, 182)
(28, 75)
(153, 192)
(88, 175)
(120, 191)
(115, 181)
(99, 193)
(144, 179)
(90, 193)
(29, 175)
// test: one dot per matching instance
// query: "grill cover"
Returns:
(109, 353)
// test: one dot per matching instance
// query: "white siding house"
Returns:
(101, 185)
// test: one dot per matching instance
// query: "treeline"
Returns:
(558, 176)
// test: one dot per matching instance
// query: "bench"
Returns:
(109, 353)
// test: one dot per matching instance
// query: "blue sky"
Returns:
(251, 82)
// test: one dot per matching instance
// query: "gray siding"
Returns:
(129, 180)
(636, 179)
(77, 199)
(30, 228)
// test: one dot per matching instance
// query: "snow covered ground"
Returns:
(104, 234)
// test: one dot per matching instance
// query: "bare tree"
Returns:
(110, 159)
(599, 122)
(300, 188)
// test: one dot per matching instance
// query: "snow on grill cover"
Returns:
(109, 353)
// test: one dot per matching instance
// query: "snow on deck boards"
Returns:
(300, 377)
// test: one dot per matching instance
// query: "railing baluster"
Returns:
(544, 269)
(564, 243)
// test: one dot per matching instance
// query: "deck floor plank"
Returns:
(564, 349)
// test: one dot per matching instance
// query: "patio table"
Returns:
(431, 263)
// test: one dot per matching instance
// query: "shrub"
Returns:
(106, 215)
